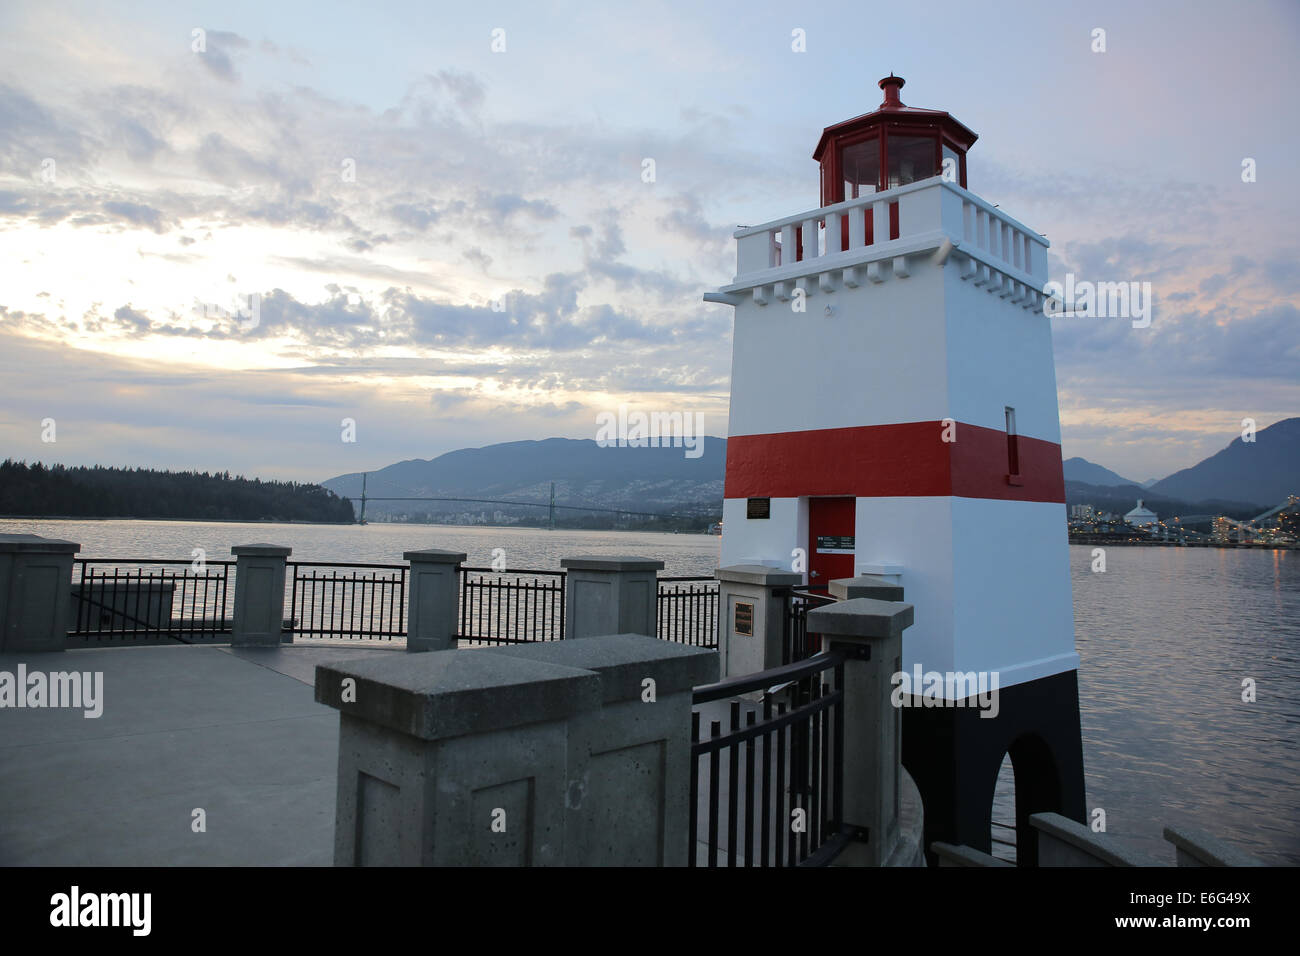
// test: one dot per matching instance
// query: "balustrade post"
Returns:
(629, 795)
(35, 592)
(751, 617)
(560, 753)
(259, 594)
(611, 595)
(433, 599)
(880, 221)
(870, 634)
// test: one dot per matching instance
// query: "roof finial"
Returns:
(891, 85)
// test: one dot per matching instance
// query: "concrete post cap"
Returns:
(623, 661)
(434, 556)
(861, 617)
(866, 586)
(35, 544)
(758, 574)
(602, 562)
(261, 551)
(443, 694)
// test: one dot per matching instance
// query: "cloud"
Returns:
(130, 318)
(135, 213)
(477, 256)
(216, 57)
(467, 193)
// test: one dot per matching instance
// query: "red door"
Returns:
(831, 542)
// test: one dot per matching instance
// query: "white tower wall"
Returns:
(935, 324)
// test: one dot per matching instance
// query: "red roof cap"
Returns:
(893, 112)
(891, 85)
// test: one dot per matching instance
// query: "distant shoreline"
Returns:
(1229, 545)
(194, 520)
(340, 524)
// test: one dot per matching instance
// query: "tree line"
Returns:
(39, 490)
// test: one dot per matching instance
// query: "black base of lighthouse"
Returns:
(954, 756)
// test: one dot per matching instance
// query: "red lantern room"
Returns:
(893, 146)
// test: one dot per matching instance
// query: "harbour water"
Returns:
(1166, 635)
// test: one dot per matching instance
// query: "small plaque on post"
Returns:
(744, 619)
(758, 507)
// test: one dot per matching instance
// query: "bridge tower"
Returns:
(894, 412)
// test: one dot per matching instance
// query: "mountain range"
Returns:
(1081, 469)
(1243, 476)
(654, 480)
(1264, 471)
(1242, 479)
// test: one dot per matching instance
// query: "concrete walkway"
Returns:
(235, 732)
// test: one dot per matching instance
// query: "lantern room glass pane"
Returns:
(860, 167)
(911, 158)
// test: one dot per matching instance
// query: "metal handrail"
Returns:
(766, 679)
(800, 712)
(832, 847)
(344, 564)
(520, 571)
(121, 561)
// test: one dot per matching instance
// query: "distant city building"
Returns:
(1140, 517)
(1288, 522)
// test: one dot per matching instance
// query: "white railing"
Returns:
(927, 211)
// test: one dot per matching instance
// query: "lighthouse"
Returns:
(894, 413)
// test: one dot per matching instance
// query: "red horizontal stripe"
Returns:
(886, 461)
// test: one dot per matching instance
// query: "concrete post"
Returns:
(751, 617)
(870, 634)
(866, 586)
(630, 806)
(35, 592)
(259, 594)
(433, 599)
(453, 758)
(610, 595)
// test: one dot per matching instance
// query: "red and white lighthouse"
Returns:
(894, 411)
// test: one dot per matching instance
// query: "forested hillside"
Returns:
(100, 492)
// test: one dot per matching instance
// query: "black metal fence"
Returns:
(329, 600)
(150, 601)
(688, 610)
(146, 601)
(798, 644)
(770, 790)
(511, 607)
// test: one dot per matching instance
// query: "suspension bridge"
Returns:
(551, 506)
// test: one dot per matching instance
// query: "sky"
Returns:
(226, 228)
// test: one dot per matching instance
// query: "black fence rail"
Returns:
(798, 644)
(688, 610)
(146, 601)
(510, 607)
(161, 601)
(769, 791)
(330, 600)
